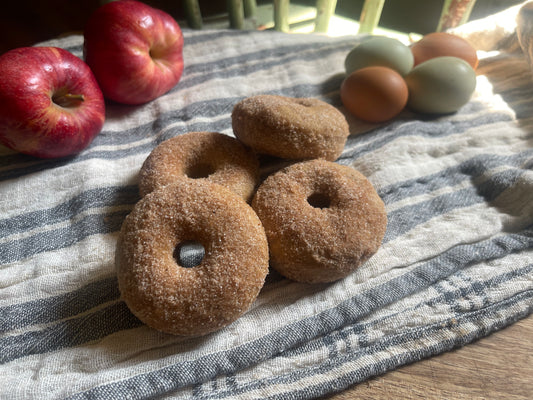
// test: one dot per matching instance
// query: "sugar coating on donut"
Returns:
(191, 301)
(322, 220)
(290, 128)
(214, 156)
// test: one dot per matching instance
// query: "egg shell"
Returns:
(380, 51)
(441, 85)
(440, 44)
(374, 94)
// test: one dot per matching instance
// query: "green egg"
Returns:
(380, 51)
(441, 85)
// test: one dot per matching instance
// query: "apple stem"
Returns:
(68, 99)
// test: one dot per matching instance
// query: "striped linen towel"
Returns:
(456, 262)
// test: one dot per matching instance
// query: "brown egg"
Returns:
(439, 44)
(374, 94)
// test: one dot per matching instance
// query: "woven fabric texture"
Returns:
(455, 264)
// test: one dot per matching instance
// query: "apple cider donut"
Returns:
(322, 220)
(193, 300)
(214, 156)
(290, 128)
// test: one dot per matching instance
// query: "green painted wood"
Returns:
(250, 8)
(281, 15)
(193, 14)
(370, 15)
(236, 14)
(324, 11)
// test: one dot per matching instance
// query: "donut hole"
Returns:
(200, 170)
(189, 254)
(319, 200)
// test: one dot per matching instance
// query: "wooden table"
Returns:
(499, 366)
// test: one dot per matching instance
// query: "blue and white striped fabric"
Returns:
(455, 265)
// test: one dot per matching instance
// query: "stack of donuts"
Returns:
(313, 220)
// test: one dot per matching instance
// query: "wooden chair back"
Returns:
(454, 13)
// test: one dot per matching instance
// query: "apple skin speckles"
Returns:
(134, 50)
(50, 103)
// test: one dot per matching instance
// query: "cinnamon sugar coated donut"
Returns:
(290, 128)
(214, 156)
(197, 300)
(322, 220)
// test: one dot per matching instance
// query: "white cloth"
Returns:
(456, 262)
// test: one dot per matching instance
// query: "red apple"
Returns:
(50, 103)
(134, 50)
